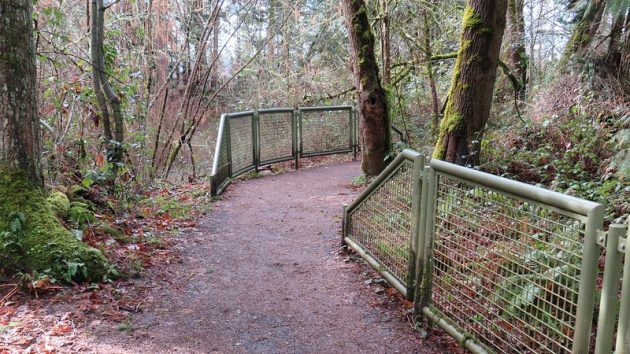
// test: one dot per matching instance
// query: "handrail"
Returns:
(552, 198)
(232, 150)
(406, 154)
(452, 207)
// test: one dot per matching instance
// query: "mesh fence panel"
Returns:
(382, 223)
(242, 142)
(276, 136)
(325, 131)
(506, 271)
(223, 170)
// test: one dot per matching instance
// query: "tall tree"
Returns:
(374, 121)
(32, 238)
(585, 29)
(472, 85)
(107, 98)
(517, 55)
(19, 123)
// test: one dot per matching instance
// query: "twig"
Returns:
(9, 295)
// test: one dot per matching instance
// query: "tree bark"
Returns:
(624, 65)
(20, 137)
(43, 244)
(517, 55)
(584, 31)
(107, 98)
(472, 85)
(385, 42)
(372, 102)
(428, 53)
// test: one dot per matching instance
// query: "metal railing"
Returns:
(500, 265)
(251, 139)
(379, 224)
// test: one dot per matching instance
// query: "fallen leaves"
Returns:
(137, 240)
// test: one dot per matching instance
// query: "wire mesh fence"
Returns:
(248, 140)
(506, 270)
(381, 224)
(326, 131)
(276, 131)
(502, 266)
(242, 142)
(221, 163)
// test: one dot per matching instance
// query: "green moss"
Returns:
(47, 246)
(115, 233)
(59, 204)
(472, 21)
(80, 213)
(471, 18)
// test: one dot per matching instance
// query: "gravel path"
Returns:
(262, 274)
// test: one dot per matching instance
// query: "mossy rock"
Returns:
(81, 214)
(59, 203)
(47, 247)
(77, 192)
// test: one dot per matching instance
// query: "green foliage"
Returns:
(360, 180)
(80, 214)
(572, 154)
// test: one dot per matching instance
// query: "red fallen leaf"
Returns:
(100, 160)
(60, 329)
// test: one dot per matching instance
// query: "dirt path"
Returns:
(264, 276)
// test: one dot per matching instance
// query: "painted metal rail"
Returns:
(500, 265)
(251, 139)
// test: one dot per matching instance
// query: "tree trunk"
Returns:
(38, 241)
(625, 55)
(516, 47)
(19, 123)
(385, 42)
(106, 96)
(584, 31)
(372, 103)
(472, 85)
(428, 53)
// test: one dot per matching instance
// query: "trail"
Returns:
(264, 275)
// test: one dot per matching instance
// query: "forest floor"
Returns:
(261, 273)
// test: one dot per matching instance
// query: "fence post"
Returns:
(610, 291)
(623, 329)
(256, 139)
(294, 137)
(300, 132)
(229, 143)
(344, 226)
(416, 212)
(425, 233)
(588, 278)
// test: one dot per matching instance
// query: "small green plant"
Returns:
(360, 180)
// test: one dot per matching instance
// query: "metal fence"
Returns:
(251, 139)
(379, 224)
(500, 265)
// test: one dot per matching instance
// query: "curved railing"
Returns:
(251, 139)
(500, 265)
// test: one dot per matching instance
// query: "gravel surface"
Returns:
(262, 273)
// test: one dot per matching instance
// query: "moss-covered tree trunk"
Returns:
(472, 85)
(516, 47)
(31, 237)
(583, 32)
(374, 122)
(624, 66)
(19, 122)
